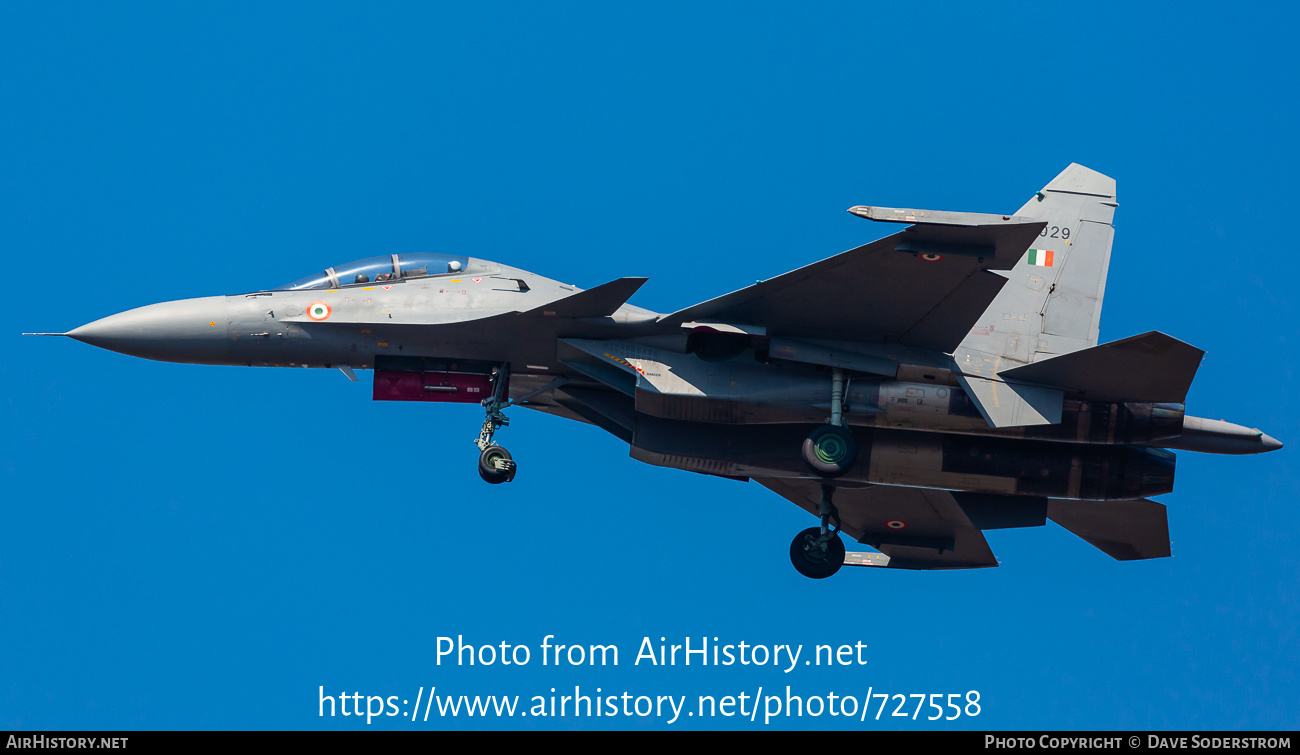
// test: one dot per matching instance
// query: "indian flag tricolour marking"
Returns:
(1041, 257)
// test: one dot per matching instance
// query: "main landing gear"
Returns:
(829, 451)
(494, 462)
(818, 552)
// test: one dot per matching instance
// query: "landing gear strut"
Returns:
(494, 462)
(829, 451)
(818, 552)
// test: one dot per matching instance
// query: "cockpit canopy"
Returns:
(388, 268)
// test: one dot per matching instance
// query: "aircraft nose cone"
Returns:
(188, 330)
(1269, 442)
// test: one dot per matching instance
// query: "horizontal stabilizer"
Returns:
(1013, 405)
(1152, 367)
(1123, 530)
(601, 301)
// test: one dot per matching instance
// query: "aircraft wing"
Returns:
(923, 287)
(917, 528)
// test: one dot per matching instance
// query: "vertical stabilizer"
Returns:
(1051, 303)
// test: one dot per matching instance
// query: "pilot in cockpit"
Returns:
(384, 269)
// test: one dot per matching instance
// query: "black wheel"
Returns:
(495, 465)
(830, 451)
(810, 560)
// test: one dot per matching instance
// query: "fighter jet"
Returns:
(910, 393)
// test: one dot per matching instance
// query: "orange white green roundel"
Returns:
(318, 310)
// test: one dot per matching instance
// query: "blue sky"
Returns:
(204, 547)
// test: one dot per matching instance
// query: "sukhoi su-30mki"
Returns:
(911, 393)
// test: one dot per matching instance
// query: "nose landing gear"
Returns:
(495, 464)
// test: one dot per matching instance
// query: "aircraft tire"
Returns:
(830, 451)
(816, 567)
(488, 470)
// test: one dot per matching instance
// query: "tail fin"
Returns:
(1051, 303)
